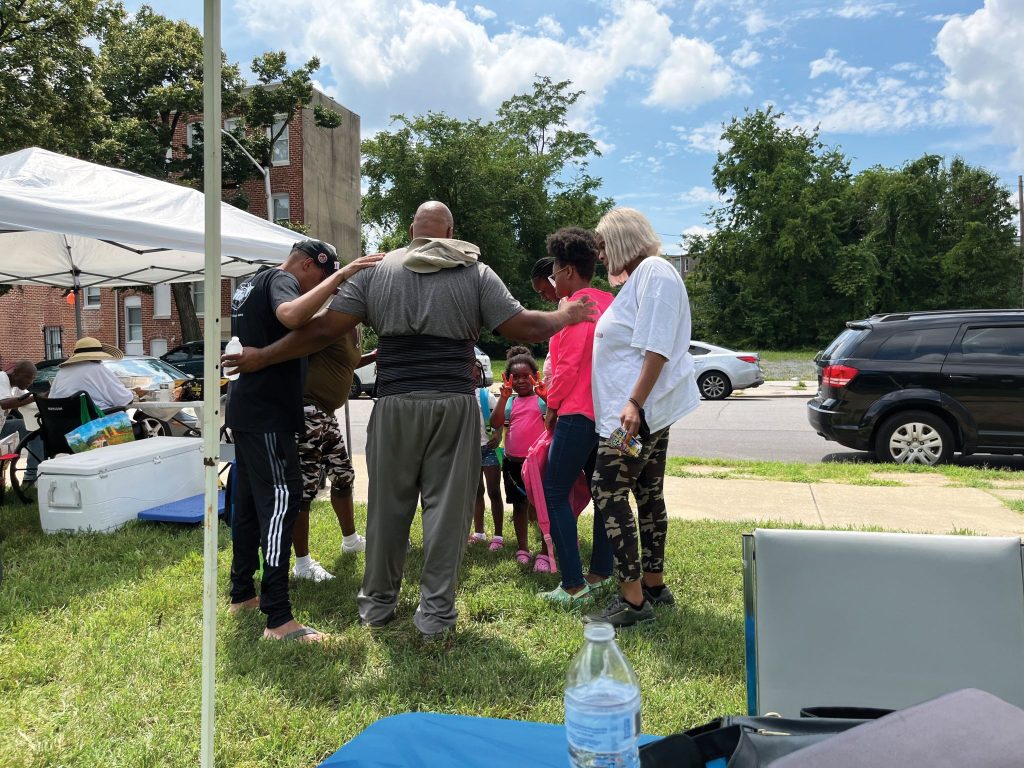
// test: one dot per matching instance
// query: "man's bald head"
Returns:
(432, 219)
(22, 373)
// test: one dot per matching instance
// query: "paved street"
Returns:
(754, 426)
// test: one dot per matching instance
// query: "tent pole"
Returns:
(211, 368)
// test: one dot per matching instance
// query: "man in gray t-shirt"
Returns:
(428, 303)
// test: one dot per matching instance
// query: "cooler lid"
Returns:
(111, 457)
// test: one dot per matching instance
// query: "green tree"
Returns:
(767, 275)
(48, 97)
(509, 181)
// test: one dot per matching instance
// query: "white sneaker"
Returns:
(359, 545)
(312, 571)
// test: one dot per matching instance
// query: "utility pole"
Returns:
(1020, 232)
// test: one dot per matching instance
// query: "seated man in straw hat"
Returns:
(83, 371)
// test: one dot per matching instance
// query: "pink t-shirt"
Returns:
(572, 350)
(525, 425)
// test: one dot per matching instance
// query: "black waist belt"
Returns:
(425, 363)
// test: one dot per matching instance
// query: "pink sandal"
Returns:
(497, 542)
(544, 564)
(523, 557)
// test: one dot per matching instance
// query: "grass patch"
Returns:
(1017, 505)
(852, 473)
(779, 356)
(100, 648)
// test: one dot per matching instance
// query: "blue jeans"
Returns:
(573, 449)
(35, 447)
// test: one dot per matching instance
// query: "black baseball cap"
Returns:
(324, 254)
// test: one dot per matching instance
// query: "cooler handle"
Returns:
(54, 505)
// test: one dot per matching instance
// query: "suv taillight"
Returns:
(838, 375)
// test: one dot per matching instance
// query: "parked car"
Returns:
(365, 378)
(188, 357)
(719, 371)
(915, 387)
(138, 373)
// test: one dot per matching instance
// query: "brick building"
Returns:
(314, 181)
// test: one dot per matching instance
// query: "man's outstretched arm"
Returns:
(310, 338)
(532, 326)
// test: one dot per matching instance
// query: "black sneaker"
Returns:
(621, 614)
(665, 598)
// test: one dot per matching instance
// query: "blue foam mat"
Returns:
(188, 510)
(419, 739)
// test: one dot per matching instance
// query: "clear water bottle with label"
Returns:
(233, 348)
(602, 704)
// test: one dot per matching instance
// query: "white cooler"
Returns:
(102, 489)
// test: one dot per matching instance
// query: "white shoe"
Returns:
(359, 545)
(312, 571)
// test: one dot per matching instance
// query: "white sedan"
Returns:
(719, 370)
(365, 378)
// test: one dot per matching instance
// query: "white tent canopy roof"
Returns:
(116, 228)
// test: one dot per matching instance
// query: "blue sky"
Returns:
(886, 81)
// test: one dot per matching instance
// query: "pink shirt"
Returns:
(572, 350)
(525, 425)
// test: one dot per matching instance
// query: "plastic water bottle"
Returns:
(233, 348)
(602, 704)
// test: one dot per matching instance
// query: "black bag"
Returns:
(750, 742)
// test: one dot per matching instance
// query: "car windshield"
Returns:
(144, 372)
(842, 345)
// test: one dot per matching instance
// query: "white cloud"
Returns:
(692, 74)
(942, 18)
(700, 196)
(410, 56)
(881, 104)
(855, 10)
(831, 64)
(696, 230)
(745, 56)
(482, 13)
(706, 138)
(549, 26)
(756, 22)
(982, 54)
(631, 158)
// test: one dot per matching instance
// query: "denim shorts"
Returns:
(488, 458)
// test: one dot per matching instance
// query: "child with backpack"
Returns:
(522, 412)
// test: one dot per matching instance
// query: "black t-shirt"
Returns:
(269, 400)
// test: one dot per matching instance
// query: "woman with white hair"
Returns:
(643, 382)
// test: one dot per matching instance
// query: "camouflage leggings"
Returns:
(614, 477)
(322, 447)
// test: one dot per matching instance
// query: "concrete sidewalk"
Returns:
(918, 509)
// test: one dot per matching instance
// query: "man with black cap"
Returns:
(264, 412)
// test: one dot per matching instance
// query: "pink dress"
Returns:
(525, 425)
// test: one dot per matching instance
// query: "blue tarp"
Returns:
(420, 739)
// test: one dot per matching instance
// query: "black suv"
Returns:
(916, 386)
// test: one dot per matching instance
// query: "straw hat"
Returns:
(87, 348)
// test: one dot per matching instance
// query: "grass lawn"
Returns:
(849, 472)
(100, 649)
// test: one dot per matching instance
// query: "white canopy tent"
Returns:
(68, 223)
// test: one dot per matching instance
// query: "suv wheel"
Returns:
(914, 437)
(714, 386)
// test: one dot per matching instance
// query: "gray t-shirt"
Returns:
(452, 303)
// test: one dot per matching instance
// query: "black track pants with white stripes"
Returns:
(268, 487)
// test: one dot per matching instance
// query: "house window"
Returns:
(162, 300)
(133, 320)
(52, 347)
(191, 131)
(92, 298)
(281, 210)
(231, 123)
(198, 297)
(279, 156)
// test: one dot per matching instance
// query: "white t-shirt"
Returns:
(6, 390)
(492, 402)
(105, 389)
(651, 313)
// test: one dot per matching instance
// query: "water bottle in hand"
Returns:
(602, 704)
(233, 348)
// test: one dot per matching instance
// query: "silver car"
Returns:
(365, 378)
(719, 370)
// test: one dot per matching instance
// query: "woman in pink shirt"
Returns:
(570, 414)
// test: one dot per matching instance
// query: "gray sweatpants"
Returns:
(419, 444)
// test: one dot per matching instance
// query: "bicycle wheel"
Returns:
(19, 465)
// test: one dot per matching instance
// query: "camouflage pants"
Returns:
(322, 447)
(615, 475)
